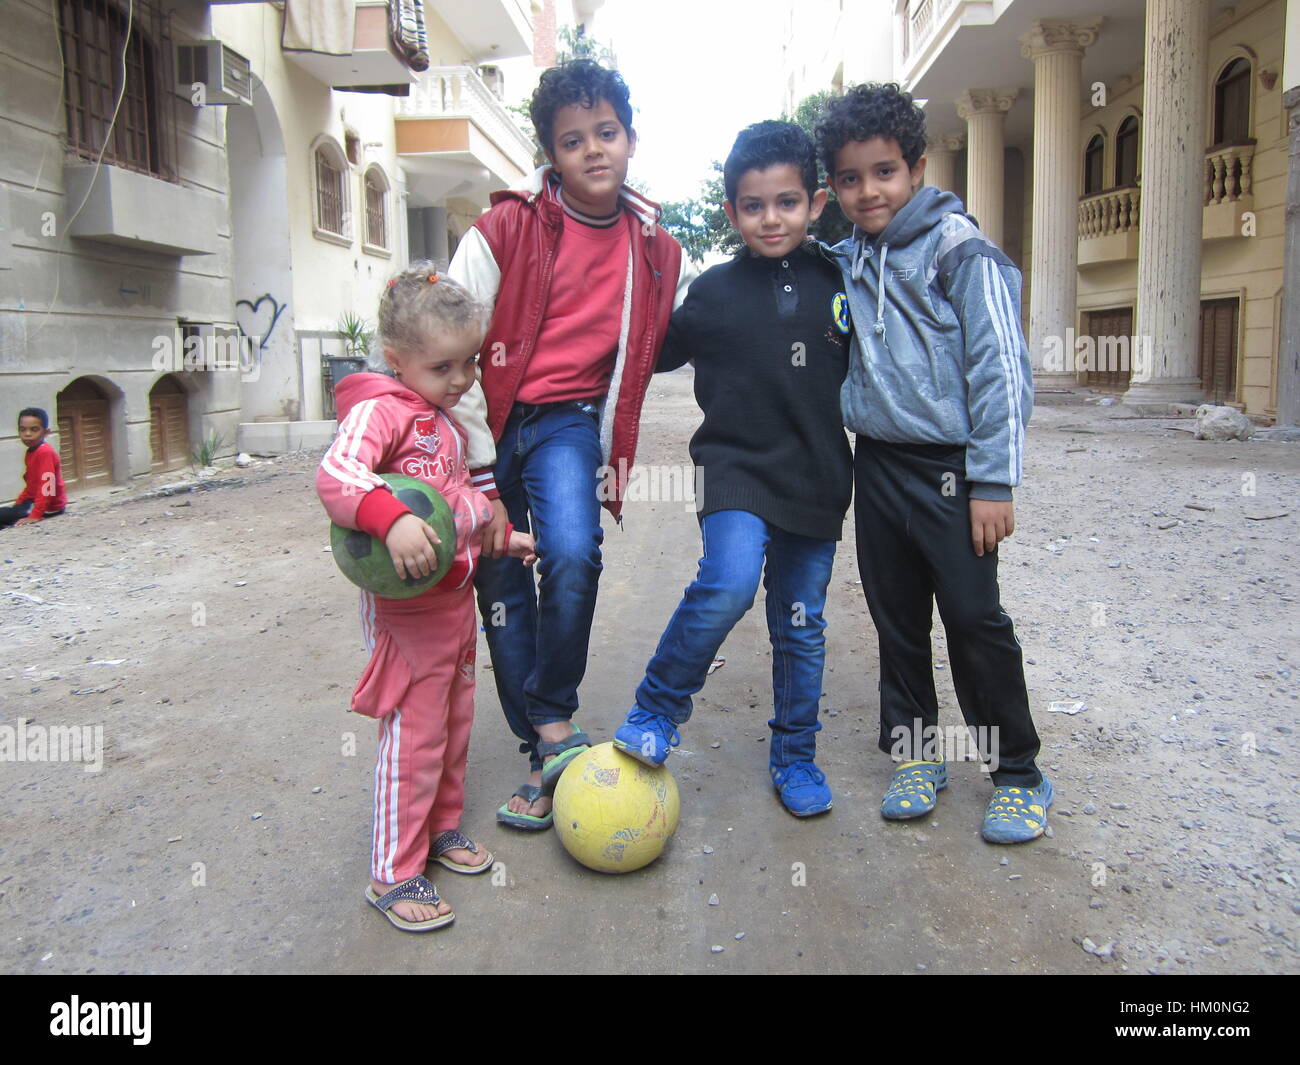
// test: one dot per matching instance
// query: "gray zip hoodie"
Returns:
(938, 355)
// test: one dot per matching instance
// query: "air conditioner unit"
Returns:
(494, 79)
(225, 75)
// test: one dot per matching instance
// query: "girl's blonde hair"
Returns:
(419, 301)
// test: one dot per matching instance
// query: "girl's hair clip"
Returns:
(434, 279)
(392, 282)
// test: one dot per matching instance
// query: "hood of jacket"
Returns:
(357, 387)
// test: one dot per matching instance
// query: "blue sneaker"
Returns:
(803, 788)
(647, 737)
(1017, 814)
(914, 790)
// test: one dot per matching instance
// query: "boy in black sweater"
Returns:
(768, 335)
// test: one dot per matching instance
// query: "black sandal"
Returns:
(528, 822)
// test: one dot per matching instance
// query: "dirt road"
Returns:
(211, 638)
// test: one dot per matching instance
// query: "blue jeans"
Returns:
(797, 571)
(547, 471)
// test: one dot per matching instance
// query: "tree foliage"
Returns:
(700, 224)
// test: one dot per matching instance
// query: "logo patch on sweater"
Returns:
(840, 312)
(905, 274)
(427, 436)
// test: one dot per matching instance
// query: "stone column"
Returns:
(1169, 235)
(1056, 47)
(985, 112)
(1288, 352)
(941, 160)
(435, 236)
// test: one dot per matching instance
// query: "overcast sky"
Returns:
(699, 71)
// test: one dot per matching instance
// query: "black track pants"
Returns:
(912, 508)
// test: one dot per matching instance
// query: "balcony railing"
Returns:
(1228, 172)
(1106, 213)
(920, 20)
(459, 92)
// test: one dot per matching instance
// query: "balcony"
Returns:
(490, 29)
(926, 26)
(1228, 197)
(457, 139)
(374, 59)
(1108, 226)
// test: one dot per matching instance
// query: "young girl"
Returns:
(419, 682)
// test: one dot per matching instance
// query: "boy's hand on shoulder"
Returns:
(991, 521)
(411, 544)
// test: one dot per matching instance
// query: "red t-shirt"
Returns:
(43, 480)
(578, 342)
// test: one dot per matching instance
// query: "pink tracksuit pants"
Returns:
(419, 683)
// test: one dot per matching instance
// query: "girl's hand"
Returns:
(411, 544)
(991, 521)
(522, 546)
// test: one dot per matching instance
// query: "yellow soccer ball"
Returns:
(612, 813)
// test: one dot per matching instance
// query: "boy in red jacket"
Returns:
(43, 494)
(582, 281)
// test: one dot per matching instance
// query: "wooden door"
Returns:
(1219, 350)
(85, 435)
(1113, 356)
(169, 437)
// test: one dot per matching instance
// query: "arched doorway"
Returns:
(85, 434)
(169, 421)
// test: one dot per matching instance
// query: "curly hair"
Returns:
(872, 110)
(414, 305)
(766, 144)
(579, 81)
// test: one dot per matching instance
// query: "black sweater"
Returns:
(770, 357)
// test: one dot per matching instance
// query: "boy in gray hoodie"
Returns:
(938, 393)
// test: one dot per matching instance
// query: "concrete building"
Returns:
(181, 281)
(828, 44)
(332, 189)
(1132, 157)
(113, 252)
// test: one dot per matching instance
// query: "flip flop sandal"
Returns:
(455, 839)
(565, 751)
(528, 822)
(417, 889)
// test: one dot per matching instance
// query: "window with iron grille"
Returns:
(330, 206)
(376, 209)
(107, 55)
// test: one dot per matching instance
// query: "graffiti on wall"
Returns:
(256, 322)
